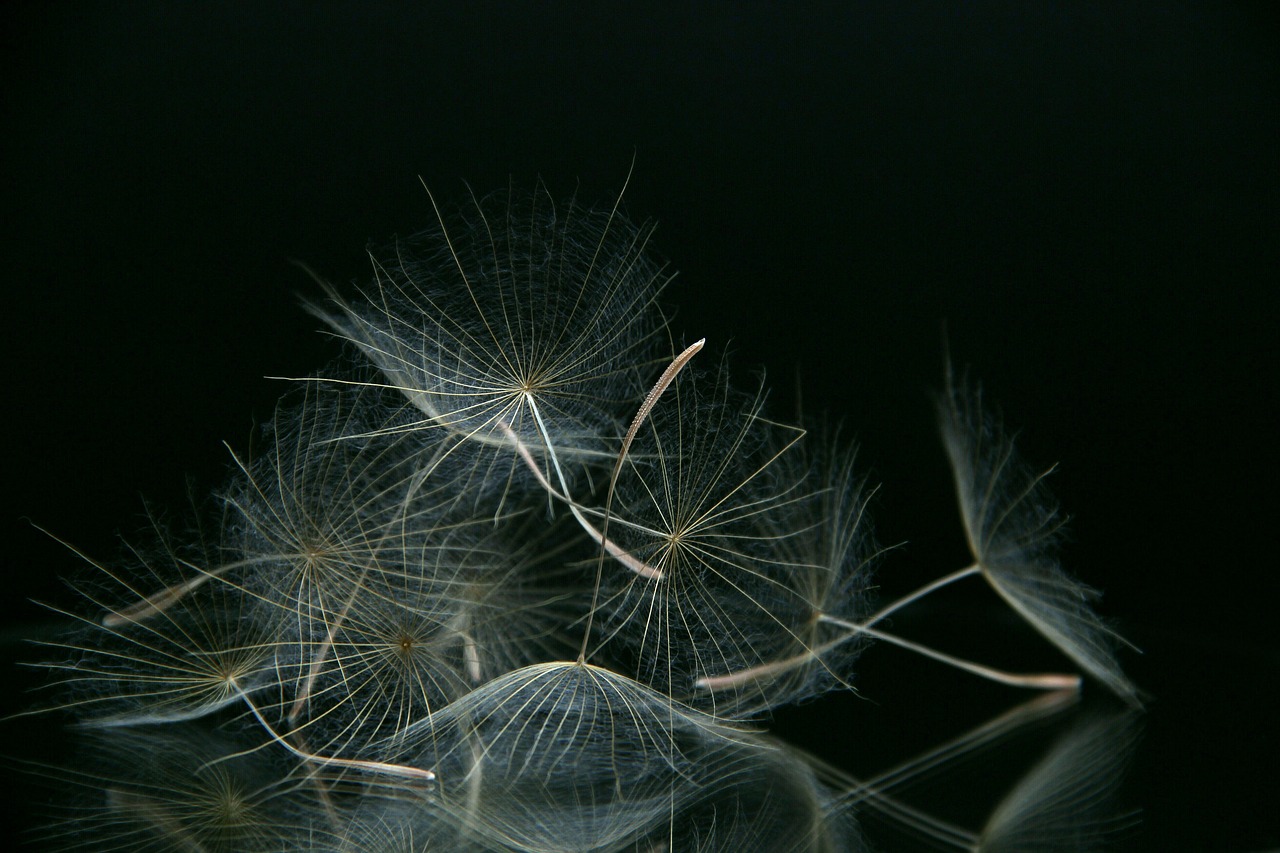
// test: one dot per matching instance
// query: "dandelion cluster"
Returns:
(524, 573)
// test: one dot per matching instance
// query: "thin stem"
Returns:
(384, 767)
(642, 414)
(1040, 681)
(616, 551)
(158, 602)
(322, 655)
(651, 399)
(920, 593)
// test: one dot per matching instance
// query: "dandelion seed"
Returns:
(511, 313)
(704, 501)
(183, 662)
(831, 574)
(1013, 526)
(568, 756)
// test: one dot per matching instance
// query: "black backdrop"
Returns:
(1085, 196)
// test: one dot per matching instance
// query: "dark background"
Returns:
(1085, 195)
